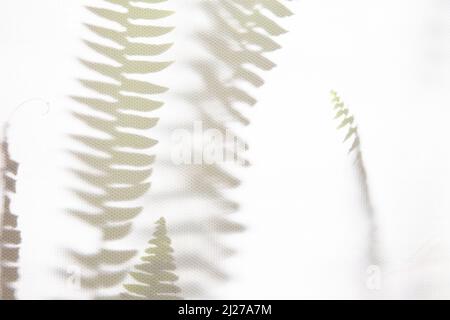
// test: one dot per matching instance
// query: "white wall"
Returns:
(306, 234)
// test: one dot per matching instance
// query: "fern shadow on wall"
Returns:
(155, 274)
(217, 103)
(10, 237)
(117, 166)
(348, 123)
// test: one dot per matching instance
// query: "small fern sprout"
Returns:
(155, 275)
(347, 122)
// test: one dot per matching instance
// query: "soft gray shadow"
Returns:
(240, 36)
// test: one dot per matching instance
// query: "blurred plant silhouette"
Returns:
(348, 123)
(156, 274)
(119, 165)
(242, 33)
(10, 237)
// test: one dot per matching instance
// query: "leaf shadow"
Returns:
(241, 35)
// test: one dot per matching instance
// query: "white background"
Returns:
(306, 235)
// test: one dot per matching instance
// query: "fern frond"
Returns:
(348, 123)
(10, 237)
(155, 275)
(122, 173)
(243, 32)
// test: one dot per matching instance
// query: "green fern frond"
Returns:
(242, 35)
(155, 275)
(10, 237)
(347, 122)
(124, 167)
